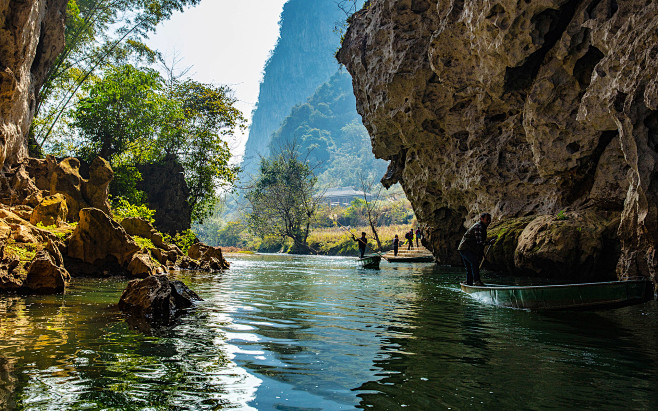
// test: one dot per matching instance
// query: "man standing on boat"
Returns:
(471, 248)
(363, 242)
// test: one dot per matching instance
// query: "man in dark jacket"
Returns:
(410, 238)
(363, 242)
(471, 248)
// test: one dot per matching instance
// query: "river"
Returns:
(317, 333)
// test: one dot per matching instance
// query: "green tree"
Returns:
(121, 114)
(283, 199)
(198, 140)
(132, 116)
(98, 33)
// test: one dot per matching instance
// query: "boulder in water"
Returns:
(156, 299)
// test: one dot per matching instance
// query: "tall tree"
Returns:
(283, 199)
(133, 116)
(98, 33)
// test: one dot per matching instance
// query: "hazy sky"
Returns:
(225, 42)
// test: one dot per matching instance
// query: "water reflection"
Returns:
(285, 332)
(494, 357)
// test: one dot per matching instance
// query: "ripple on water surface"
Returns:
(290, 332)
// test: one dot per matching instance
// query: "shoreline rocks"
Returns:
(35, 230)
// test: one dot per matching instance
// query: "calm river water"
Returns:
(316, 333)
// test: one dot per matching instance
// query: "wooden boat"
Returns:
(415, 255)
(563, 296)
(370, 261)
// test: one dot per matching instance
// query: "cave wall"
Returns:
(31, 38)
(519, 108)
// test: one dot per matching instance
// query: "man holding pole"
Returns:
(471, 249)
(363, 242)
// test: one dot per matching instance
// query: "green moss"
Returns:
(144, 243)
(25, 252)
(507, 234)
(61, 233)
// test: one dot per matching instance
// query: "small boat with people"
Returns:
(563, 296)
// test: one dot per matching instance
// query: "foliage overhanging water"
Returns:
(287, 332)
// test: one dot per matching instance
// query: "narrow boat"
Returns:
(415, 259)
(415, 255)
(563, 296)
(370, 261)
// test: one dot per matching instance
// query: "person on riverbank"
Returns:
(363, 242)
(396, 245)
(418, 237)
(471, 249)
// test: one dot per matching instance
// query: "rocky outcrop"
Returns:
(167, 192)
(156, 299)
(31, 180)
(523, 109)
(52, 210)
(579, 246)
(142, 228)
(46, 273)
(211, 258)
(103, 245)
(31, 37)
(81, 193)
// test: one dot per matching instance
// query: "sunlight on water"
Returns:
(290, 332)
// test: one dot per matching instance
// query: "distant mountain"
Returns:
(328, 129)
(301, 61)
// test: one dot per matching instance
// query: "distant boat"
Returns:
(415, 255)
(370, 261)
(563, 296)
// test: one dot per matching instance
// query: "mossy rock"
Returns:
(52, 211)
(506, 233)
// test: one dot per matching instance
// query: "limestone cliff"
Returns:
(31, 37)
(524, 109)
(301, 61)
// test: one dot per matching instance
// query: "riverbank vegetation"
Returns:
(328, 229)
(109, 95)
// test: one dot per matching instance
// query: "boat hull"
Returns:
(422, 259)
(371, 262)
(564, 296)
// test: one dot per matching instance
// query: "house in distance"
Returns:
(343, 196)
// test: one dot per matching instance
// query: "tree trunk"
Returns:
(374, 233)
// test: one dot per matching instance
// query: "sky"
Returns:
(224, 42)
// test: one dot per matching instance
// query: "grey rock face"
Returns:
(517, 108)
